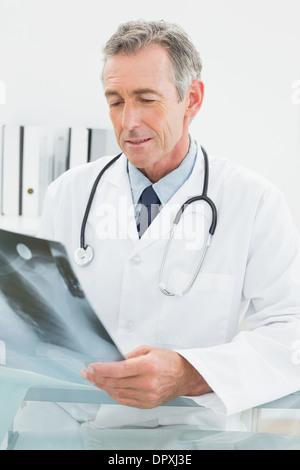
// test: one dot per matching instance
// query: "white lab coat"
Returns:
(254, 259)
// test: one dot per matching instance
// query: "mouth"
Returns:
(137, 142)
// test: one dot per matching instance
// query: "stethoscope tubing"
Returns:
(202, 197)
(85, 252)
(91, 198)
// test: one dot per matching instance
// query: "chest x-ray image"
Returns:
(46, 322)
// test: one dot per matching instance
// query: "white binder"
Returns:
(79, 143)
(61, 145)
(102, 142)
(37, 169)
(31, 167)
(11, 167)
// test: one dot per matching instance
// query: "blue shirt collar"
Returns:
(166, 187)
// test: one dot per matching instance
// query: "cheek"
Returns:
(174, 125)
(114, 117)
(159, 121)
(117, 124)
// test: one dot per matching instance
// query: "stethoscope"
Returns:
(84, 255)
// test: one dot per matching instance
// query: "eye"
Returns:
(115, 104)
(145, 100)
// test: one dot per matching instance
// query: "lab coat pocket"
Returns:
(200, 317)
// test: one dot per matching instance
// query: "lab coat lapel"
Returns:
(120, 201)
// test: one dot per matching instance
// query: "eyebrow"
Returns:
(144, 91)
(139, 91)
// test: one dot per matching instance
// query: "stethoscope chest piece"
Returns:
(84, 256)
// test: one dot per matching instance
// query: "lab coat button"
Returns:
(130, 326)
(135, 260)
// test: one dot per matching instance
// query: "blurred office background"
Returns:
(51, 60)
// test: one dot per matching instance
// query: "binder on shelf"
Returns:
(33, 156)
(102, 142)
(37, 169)
(96, 144)
(45, 157)
(61, 152)
(12, 148)
(79, 142)
(45, 165)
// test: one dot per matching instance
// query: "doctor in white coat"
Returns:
(184, 344)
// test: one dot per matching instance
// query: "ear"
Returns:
(194, 99)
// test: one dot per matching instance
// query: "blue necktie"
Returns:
(149, 209)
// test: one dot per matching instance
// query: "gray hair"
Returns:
(133, 36)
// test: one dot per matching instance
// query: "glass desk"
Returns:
(60, 419)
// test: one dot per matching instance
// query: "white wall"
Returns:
(50, 61)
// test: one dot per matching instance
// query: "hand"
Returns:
(147, 378)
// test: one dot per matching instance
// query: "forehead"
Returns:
(151, 67)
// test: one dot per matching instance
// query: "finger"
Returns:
(139, 382)
(140, 351)
(116, 370)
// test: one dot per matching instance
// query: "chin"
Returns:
(139, 162)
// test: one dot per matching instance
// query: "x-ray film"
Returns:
(46, 322)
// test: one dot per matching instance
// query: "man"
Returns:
(179, 345)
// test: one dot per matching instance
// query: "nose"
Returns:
(130, 117)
